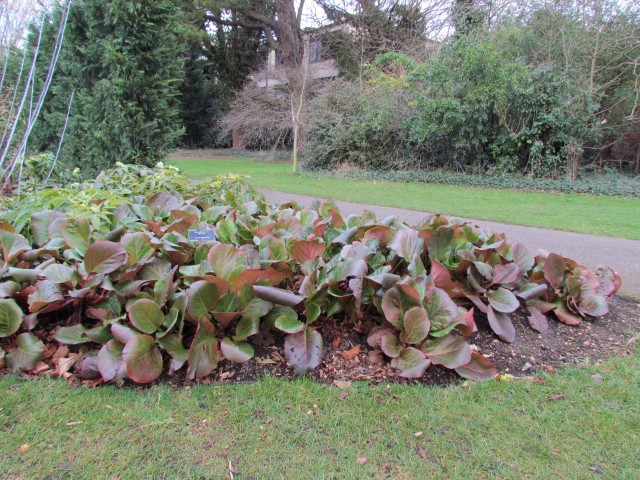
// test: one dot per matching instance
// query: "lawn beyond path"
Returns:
(609, 216)
(570, 426)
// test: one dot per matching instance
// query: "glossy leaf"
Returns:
(303, 350)
(238, 352)
(415, 326)
(28, 352)
(202, 298)
(105, 257)
(110, 361)
(11, 317)
(146, 315)
(412, 363)
(479, 369)
(72, 335)
(204, 353)
(450, 351)
(502, 325)
(503, 300)
(279, 296)
(442, 311)
(143, 359)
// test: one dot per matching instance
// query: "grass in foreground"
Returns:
(569, 427)
(619, 217)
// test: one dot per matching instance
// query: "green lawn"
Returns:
(569, 427)
(619, 217)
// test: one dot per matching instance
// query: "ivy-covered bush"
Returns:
(132, 290)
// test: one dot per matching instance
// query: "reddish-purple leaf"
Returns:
(416, 326)
(305, 250)
(105, 257)
(303, 350)
(143, 359)
(537, 319)
(479, 369)
(502, 325)
(412, 363)
(390, 346)
(507, 273)
(396, 301)
(450, 351)
(204, 353)
(279, 296)
(553, 270)
(503, 300)
(110, 361)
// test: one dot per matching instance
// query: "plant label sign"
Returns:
(204, 235)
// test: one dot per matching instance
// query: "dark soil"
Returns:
(594, 340)
(349, 359)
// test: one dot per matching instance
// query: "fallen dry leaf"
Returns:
(596, 378)
(336, 342)
(557, 397)
(343, 395)
(351, 354)
(71, 424)
(24, 448)
(362, 460)
(421, 451)
(64, 364)
(342, 384)
(418, 434)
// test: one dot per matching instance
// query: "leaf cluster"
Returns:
(137, 297)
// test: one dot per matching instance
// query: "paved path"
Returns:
(590, 250)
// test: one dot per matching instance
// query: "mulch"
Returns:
(348, 357)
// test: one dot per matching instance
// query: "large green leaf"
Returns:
(479, 369)
(110, 361)
(397, 301)
(222, 258)
(28, 353)
(238, 352)
(416, 326)
(72, 335)
(285, 319)
(105, 257)
(441, 245)
(11, 317)
(172, 343)
(442, 311)
(143, 359)
(204, 353)
(450, 351)
(303, 350)
(58, 273)
(502, 325)
(12, 245)
(503, 300)
(76, 233)
(522, 256)
(407, 244)
(146, 315)
(202, 297)
(40, 222)
(390, 345)
(138, 247)
(412, 363)
(249, 324)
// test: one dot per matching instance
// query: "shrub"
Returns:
(129, 289)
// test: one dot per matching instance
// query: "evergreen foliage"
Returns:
(125, 61)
